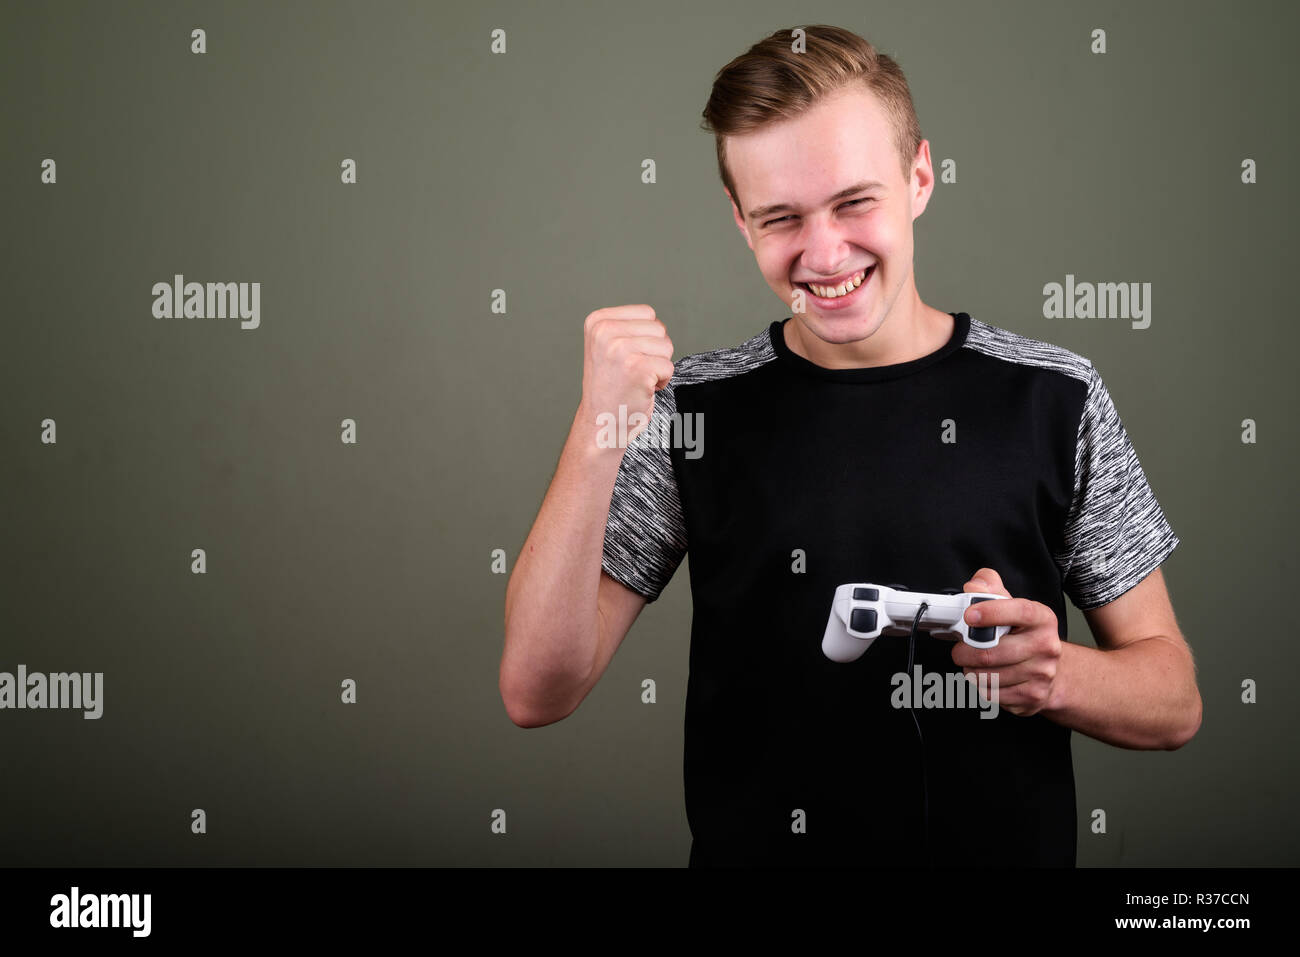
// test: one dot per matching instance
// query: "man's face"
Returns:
(801, 164)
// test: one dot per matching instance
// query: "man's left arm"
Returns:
(1136, 689)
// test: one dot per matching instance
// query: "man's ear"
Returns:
(922, 180)
(740, 220)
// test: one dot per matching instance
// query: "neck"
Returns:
(909, 330)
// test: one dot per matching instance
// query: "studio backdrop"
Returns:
(273, 536)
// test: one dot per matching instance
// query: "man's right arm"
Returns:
(564, 616)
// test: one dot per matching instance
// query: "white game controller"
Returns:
(860, 612)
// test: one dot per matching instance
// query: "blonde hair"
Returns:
(771, 82)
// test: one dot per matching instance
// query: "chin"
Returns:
(836, 330)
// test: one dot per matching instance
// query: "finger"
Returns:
(1007, 677)
(609, 329)
(639, 311)
(987, 579)
(1016, 612)
(984, 588)
(643, 345)
(663, 371)
(1012, 650)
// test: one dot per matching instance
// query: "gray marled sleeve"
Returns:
(1116, 533)
(645, 534)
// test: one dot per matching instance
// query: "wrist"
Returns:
(1059, 699)
(588, 437)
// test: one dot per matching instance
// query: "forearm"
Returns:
(1140, 696)
(551, 619)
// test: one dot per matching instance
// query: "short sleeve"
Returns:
(645, 534)
(1116, 533)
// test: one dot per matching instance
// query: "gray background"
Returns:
(522, 171)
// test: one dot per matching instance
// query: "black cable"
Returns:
(925, 785)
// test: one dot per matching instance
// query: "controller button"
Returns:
(866, 594)
(863, 619)
(976, 601)
(983, 634)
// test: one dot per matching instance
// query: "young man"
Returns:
(867, 438)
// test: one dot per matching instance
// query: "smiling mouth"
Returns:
(837, 292)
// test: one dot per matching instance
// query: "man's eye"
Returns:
(853, 202)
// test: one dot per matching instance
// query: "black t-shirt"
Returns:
(996, 450)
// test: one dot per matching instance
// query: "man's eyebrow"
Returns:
(762, 211)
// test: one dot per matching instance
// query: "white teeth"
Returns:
(834, 292)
